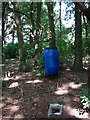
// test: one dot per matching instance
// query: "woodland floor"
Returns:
(29, 96)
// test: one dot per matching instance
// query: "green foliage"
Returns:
(3, 68)
(85, 98)
(86, 39)
(39, 65)
(29, 50)
(10, 50)
(40, 58)
(3, 84)
(65, 45)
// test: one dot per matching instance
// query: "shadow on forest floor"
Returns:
(28, 96)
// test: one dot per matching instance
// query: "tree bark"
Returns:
(84, 9)
(13, 34)
(88, 80)
(19, 33)
(32, 22)
(3, 24)
(60, 21)
(51, 24)
(78, 41)
(38, 28)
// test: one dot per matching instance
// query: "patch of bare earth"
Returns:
(28, 96)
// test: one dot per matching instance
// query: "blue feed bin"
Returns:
(51, 61)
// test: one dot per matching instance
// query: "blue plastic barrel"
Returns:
(51, 61)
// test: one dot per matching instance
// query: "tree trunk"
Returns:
(51, 24)
(88, 79)
(13, 34)
(3, 24)
(32, 23)
(60, 21)
(19, 33)
(84, 9)
(78, 41)
(38, 28)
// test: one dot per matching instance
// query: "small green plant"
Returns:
(3, 84)
(3, 68)
(41, 65)
(10, 50)
(85, 98)
(69, 62)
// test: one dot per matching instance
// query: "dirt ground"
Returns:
(26, 95)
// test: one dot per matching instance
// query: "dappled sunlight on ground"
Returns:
(76, 86)
(38, 81)
(28, 95)
(36, 99)
(71, 101)
(28, 74)
(13, 85)
(72, 85)
(61, 91)
(77, 99)
(2, 105)
(17, 77)
(64, 89)
(74, 112)
(9, 100)
(12, 108)
(29, 82)
(18, 116)
(23, 76)
(35, 81)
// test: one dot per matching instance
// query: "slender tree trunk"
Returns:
(32, 22)
(19, 33)
(89, 67)
(3, 24)
(13, 34)
(88, 80)
(86, 31)
(78, 41)
(60, 21)
(51, 24)
(38, 28)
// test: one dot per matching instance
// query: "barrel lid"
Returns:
(51, 48)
